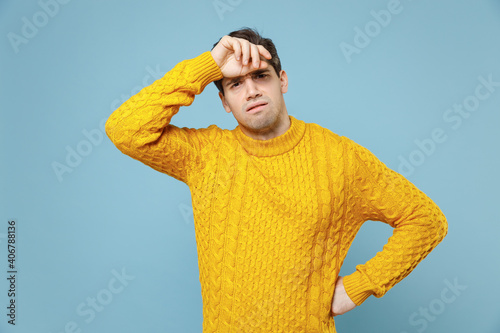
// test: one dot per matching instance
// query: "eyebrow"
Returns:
(237, 78)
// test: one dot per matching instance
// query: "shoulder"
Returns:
(348, 147)
(217, 137)
(210, 131)
(202, 137)
(317, 131)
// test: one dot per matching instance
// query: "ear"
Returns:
(224, 103)
(284, 81)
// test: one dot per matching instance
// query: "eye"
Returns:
(234, 85)
(261, 75)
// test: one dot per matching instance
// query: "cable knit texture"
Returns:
(274, 219)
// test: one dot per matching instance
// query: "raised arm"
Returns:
(141, 126)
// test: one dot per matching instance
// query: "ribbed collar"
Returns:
(275, 146)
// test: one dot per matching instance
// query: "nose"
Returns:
(252, 89)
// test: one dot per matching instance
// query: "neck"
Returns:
(274, 146)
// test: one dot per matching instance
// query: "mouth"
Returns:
(256, 107)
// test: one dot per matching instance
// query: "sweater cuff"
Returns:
(357, 287)
(204, 69)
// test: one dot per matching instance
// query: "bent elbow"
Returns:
(109, 127)
(117, 134)
(442, 226)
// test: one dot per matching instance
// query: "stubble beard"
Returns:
(263, 121)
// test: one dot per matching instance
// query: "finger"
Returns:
(255, 56)
(236, 48)
(264, 52)
(245, 49)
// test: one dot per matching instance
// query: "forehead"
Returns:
(269, 70)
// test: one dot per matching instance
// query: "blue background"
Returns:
(109, 214)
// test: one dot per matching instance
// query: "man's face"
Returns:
(256, 99)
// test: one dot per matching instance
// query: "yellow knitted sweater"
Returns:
(274, 218)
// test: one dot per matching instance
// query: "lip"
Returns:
(256, 107)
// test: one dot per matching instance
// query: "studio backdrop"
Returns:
(94, 241)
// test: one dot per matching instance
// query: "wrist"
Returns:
(357, 287)
(205, 69)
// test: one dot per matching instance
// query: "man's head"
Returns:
(254, 37)
(255, 98)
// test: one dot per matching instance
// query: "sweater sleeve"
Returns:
(380, 194)
(141, 127)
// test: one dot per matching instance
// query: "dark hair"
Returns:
(255, 38)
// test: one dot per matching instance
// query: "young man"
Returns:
(276, 201)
